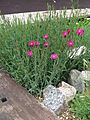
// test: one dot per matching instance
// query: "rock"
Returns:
(85, 75)
(68, 90)
(74, 74)
(54, 99)
(77, 52)
(77, 80)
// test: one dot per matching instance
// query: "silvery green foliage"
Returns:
(77, 52)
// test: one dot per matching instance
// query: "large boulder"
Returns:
(54, 99)
(77, 80)
(68, 90)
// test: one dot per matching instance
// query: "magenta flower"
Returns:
(31, 43)
(37, 43)
(54, 56)
(45, 36)
(68, 30)
(46, 44)
(64, 34)
(30, 53)
(80, 31)
(70, 43)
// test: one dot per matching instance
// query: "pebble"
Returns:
(67, 115)
(61, 118)
(66, 118)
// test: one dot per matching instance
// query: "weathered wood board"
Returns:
(17, 104)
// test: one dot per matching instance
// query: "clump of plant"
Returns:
(81, 107)
(35, 52)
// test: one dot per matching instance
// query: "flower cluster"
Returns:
(64, 34)
(37, 43)
(80, 31)
(54, 56)
(31, 43)
(70, 43)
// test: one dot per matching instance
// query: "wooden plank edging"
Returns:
(20, 104)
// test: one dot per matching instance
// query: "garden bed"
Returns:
(37, 52)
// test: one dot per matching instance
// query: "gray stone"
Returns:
(77, 80)
(54, 99)
(68, 90)
(85, 75)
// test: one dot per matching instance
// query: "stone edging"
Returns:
(24, 16)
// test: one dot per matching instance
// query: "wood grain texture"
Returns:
(20, 104)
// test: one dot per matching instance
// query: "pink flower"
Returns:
(80, 31)
(45, 36)
(46, 44)
(30, 53)
(37, 43)
(70, 43)
(31, 43)
(68, 30)
(54, 56)
(64, 34)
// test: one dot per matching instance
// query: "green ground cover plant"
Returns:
(81, 107)
(35, 53)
